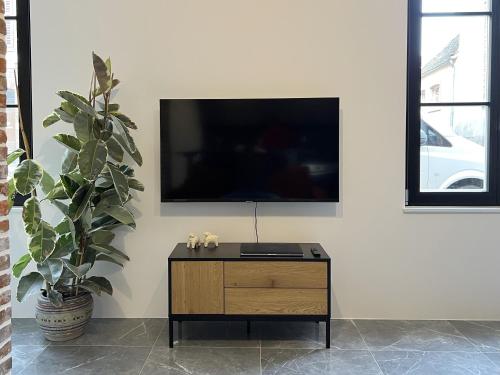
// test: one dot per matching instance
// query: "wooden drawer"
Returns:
(271, 301)
(197, 287)
(275, 274)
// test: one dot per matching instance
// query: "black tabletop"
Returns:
(231, 251)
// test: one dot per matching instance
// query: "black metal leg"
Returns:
(248, 327)
(179, 330)
(328, 334)
(170, 333)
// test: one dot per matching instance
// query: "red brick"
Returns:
(3, 171)
(5, 315)
(3, 152)
(6, 366)
(5, 350)
(3, 48)
(4, 226)
(4, 210)
(4, 188)
(4, 280)
(5, 298)
(5, 333)
(4, 262)
(3, 134)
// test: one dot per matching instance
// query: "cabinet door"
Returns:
(197, 287)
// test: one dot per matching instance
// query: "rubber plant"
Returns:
(91, 191)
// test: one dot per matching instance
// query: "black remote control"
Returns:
(315, 252)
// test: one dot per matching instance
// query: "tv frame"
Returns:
(164, 159)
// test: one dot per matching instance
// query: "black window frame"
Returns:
(23, 29)
(414, 197)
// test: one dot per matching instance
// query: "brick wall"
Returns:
(5, 307)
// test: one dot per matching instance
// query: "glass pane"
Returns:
(455, 59)
(453, 149)
(456, 5)
(11, 60)
(12, 131)
(10, 7)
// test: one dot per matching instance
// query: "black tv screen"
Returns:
(250, 149)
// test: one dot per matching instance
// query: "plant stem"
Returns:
(27, 146)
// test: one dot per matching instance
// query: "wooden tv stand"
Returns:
(219, 284)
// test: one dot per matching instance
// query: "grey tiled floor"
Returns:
(364, 347)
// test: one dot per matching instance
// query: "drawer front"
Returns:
(197, 288)
(269, 301)
(299, 275)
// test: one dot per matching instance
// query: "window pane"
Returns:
(12, 131)
(455, 5)
(453, 149)
(10, 7)
(455, 59)
(11, 60)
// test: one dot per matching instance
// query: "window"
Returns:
(453, 102)
(18, 58)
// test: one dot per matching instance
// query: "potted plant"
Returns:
(91, 192)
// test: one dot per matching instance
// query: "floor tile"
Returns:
(26, 332)
(434, 363)
(345, 335)
(86, 360)
(210, 334)
(318, 362)
(485, 334)
(202, 361)
(22, 355)
(298, 335)
(412, 335)
(122, 332)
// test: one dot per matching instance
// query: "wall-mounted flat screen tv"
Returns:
(223, 150)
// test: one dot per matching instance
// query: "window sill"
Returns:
(450, 210)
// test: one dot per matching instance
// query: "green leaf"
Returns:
(27, 176)
(70, 161)
(77, 271)
(120, 182)
(108, 258)
(69, 185)
(67, 226)
(61, 206)
(14, 155)
(104, 182)
(55, 298)
(97, 285)
(57, 192)
(32, 215)
(29, 284)
(42, 243)
(102, 237)
(11, 193)
(50, 120)
(114, 149)
(63, 115)
(109, 250)
(70, 109)
(83, 126)
(92, 159)
(51, 270)
(135, 184)
(121, 214)
(80, 200)
(47, 182)
(136, 155)
(69, 141)
(122, 129)
(78, 101)
(101, 72)
(65, 245)
(20, 265)
(108, 198)
(125, 120)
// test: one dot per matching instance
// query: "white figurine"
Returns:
(193, 241)
(211, 238)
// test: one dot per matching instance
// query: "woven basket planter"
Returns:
(66, 322)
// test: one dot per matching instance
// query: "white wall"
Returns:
(386, 264)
